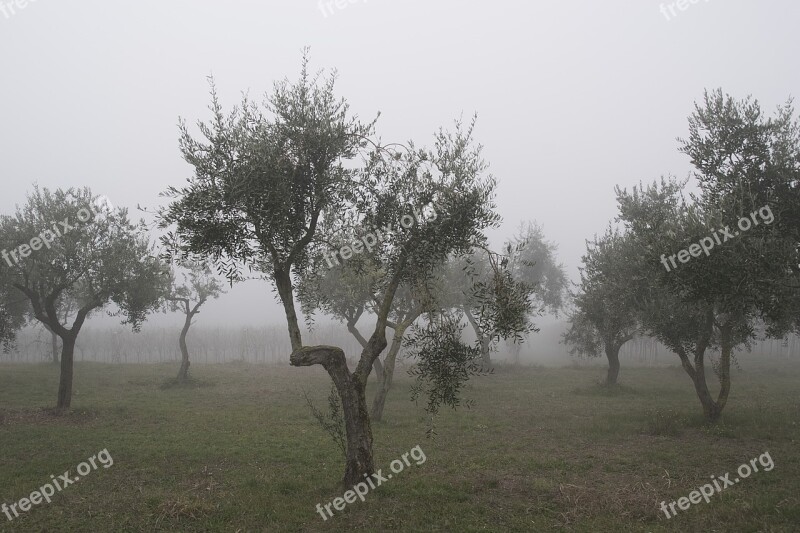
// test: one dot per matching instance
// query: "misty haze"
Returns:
(360, 265)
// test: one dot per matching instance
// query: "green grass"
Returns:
(542, 450)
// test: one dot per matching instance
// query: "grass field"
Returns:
(542, 450)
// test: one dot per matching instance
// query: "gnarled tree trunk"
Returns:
(183, 373)
(613, 345)
(190, 312)
(358, 461)
(712, 410)
(351, 386)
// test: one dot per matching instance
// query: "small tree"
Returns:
(604, 318)
(748, 169)
(187, 295)
(68, 245)
(533, 261)
(531, 274)
(707, 303)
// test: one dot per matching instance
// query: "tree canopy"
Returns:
(71, 244)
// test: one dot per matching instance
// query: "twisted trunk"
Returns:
(612, 347)
(351, 386)
(712, 410)
(190, 312)
(183, 373)
(358, 454)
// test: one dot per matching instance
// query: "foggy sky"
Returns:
(572, 97)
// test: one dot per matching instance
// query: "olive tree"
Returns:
(709, 302)
(273, 184)
(530, 267)
(67, 245)
(191, 286)
(736, 241)
(533, 261)
(604, 315)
